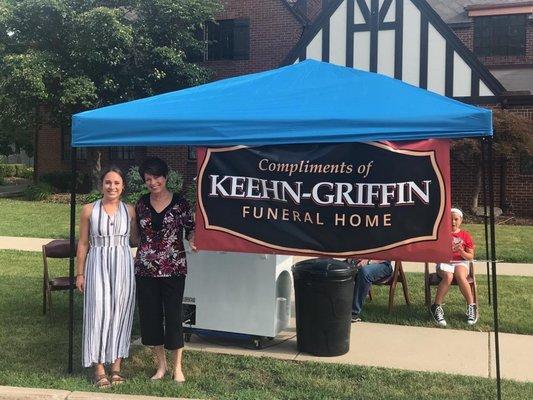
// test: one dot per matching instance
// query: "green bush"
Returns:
(39, 191)
(190, 195)
(93, 196)
(134, 182)
(60, 181)
(7, 170)
(135, 187)
(26, 173)
(174, 181)
(2, 181)
(16, 170)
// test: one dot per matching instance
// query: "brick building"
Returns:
(253, 35)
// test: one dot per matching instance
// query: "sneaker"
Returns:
(471, 314)
(438, 314)
(356, 318)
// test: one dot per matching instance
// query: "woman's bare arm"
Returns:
(83, 246)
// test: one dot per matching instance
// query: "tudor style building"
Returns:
(477, 51)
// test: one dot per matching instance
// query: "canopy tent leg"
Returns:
(73, 157)
(485, 215)
(493, 263)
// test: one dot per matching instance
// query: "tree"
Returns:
(513, 134)
(59, 57)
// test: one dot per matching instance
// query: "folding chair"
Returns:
(398, 276)
(55, 249)
(434, 279)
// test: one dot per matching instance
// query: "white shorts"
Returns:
(451, 266)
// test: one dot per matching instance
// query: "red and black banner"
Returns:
(374, 200)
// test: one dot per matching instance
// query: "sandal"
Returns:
(116, 378)
(102, 381)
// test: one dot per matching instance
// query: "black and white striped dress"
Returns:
(109, 287)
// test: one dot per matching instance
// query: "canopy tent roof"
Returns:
(308, 102)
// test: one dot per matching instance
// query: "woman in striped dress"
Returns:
(105, 276)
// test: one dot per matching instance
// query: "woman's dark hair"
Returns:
(113, 168)
(153, 166)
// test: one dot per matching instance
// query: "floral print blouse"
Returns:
(160, 252)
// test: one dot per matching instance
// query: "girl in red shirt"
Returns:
(463, 252)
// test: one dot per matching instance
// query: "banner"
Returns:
(374, 200)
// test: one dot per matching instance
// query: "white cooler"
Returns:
(239, 293)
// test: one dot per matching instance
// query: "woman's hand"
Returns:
(191, 243)
(80, 283)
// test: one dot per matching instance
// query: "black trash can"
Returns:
(323, 289)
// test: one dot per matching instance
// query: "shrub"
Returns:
(38, 191)
(16, 170)
(2, 181)
(8, 170)
(60, 181)
(26, 173)
(135, 187)
(174, 181)
(92, 197)
(134, 182)
(190, 195)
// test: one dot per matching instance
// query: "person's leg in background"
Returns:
(363, 281)
(461, 277)
(436, 310)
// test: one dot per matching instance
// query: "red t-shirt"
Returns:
(464, 238)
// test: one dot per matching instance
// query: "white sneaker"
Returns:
(471, 314)
(437, 312)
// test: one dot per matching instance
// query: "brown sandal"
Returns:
(116, 378)
(102, 381)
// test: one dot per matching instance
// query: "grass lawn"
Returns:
(512, 291)
(34, 349)
(514, 243)
(35, 219)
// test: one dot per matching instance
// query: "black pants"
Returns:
(160, 311)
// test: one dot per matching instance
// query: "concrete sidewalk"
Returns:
(512, 269)
(404, 347)
(12, 190)
(22, 393)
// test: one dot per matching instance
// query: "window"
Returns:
(122, 153)
(191, 153)
(229, 39)
(81, 152)
(500, 35)
(526, 164)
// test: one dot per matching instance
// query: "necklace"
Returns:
(111, 217)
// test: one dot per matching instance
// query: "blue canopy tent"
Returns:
(308, 102)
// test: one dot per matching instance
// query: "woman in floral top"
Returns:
(160, 266)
